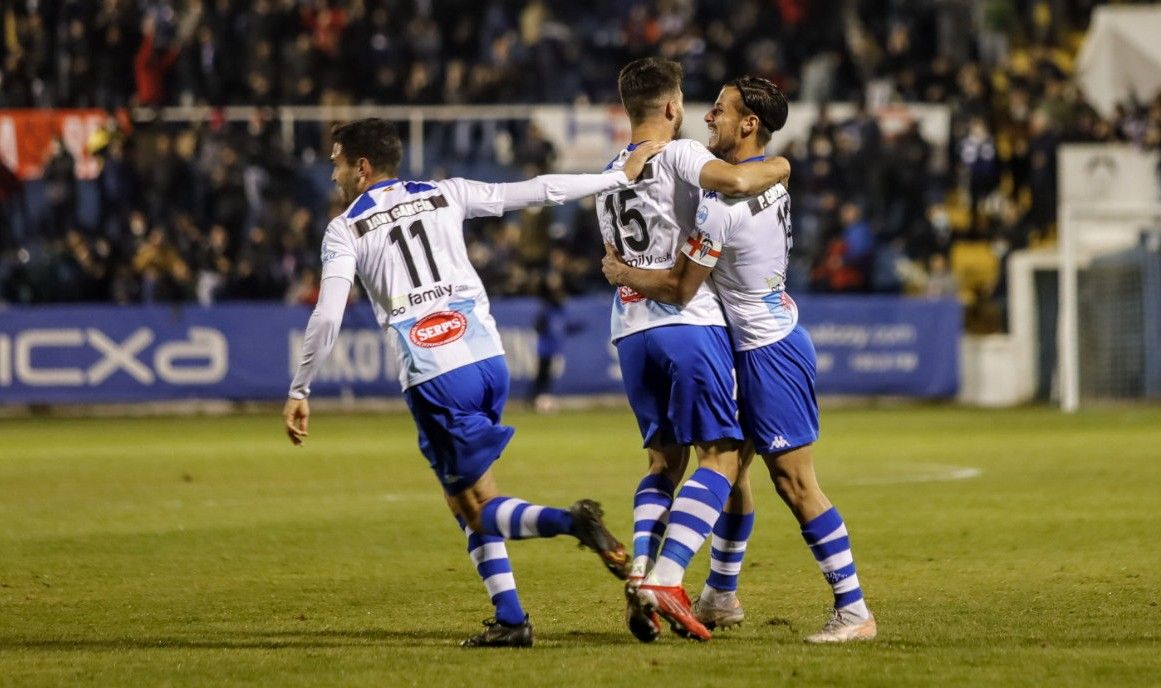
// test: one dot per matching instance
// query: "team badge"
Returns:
(327, 254)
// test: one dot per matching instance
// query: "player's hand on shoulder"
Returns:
(296, 416)
(635, 163)
(613, 266)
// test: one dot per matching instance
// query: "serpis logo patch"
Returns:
(702, 214)
(627, 295)
(438, 329)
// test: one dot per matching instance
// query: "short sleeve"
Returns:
(338, 251)
(688, 157)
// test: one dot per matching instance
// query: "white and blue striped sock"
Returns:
(694, 513)
(727, 548)
(651, 505)
(516, 519)
(826, 535)
(490, 557)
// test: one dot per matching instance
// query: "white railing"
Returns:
(585, 136)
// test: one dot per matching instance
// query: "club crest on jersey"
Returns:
(702, 214)
(627, 295)
(327, 253)
(438, 329)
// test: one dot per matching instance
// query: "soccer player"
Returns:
(745, 242)
(676, 362)
(405, 242)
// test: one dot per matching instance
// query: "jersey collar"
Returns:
(383, 184)
(756, 158)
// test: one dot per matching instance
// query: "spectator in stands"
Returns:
(60, 185)
(152, 64)
(847, 257)
(163, 274)
(940, 282)
(977, 157)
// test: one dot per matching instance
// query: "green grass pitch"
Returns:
(997, 548)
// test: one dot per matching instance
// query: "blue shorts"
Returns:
(776, 393)
(678, 380)
(458, 417)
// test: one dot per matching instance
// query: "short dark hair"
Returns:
(372, 138)
(644, 83)
(762, 99)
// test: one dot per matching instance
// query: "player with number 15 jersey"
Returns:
(642, 223)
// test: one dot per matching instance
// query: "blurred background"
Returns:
(975, 184)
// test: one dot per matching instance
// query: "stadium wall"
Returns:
(246, 352)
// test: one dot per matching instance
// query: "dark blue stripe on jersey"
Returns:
(417, 187)
(756, 158)
(362, 205)
(365, 202)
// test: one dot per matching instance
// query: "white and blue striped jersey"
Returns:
(747, 242)
(646, 223)
(405, 242)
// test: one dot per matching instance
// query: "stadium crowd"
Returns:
(214, 210)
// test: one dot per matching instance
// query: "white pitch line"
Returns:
(929, 473)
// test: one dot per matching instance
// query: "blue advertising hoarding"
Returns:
(108, 354)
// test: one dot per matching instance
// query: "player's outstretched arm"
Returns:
(321, 332)
(676, 285)
(555, 189)
(743, 180)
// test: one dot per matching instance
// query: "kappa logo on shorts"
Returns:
(438, 329)
(779, 442)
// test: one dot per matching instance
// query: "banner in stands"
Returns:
(26, 139)
(110, 354)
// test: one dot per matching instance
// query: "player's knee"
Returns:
(669, 462)
(472, 520)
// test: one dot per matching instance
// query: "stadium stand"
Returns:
(214, 211)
